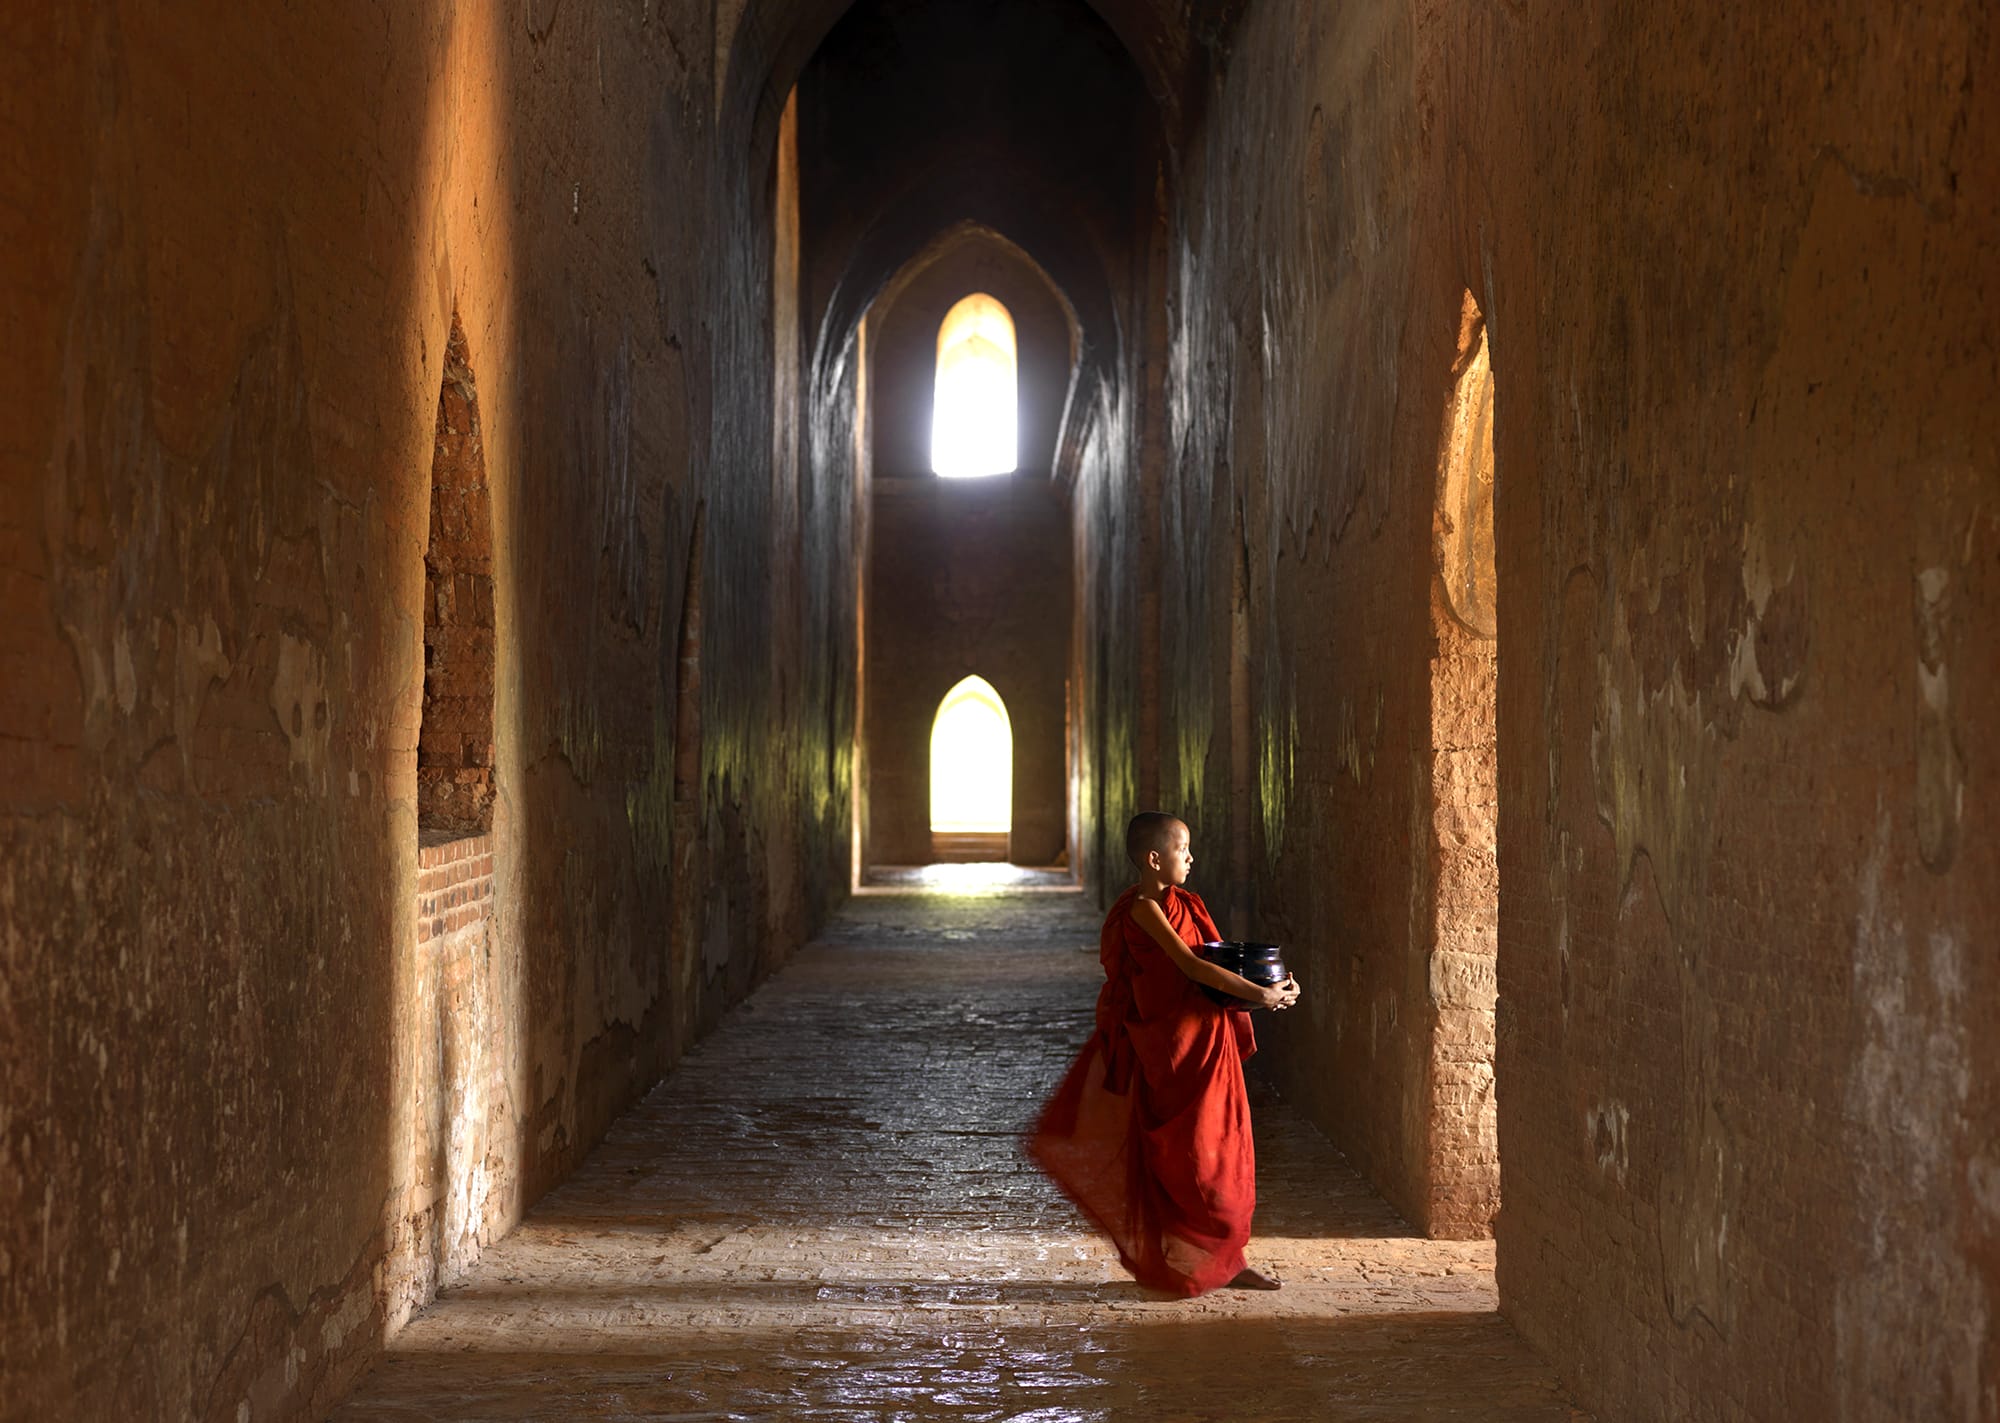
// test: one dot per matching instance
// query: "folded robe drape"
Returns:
(1149, 1133)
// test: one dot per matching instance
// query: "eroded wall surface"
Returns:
(1746, 979)
(253, 1112)
(1736, 269)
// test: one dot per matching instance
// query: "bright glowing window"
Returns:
(972, 761)
(973, 421)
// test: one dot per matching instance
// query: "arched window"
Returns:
(973, 420)
(972, 762)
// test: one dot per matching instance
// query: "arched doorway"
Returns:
(972, 774)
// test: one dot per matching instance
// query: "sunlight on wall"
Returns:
(1465, 482)
(973, 420)
(972, 761)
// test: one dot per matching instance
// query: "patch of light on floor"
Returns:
(984, 877)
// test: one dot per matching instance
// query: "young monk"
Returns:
(1150, 1132)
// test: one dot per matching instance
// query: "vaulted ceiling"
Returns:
(1026, 117)
(1047, 122)
(1171, 43)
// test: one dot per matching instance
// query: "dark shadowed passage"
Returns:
(825, 1213)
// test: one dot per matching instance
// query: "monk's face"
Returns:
(1178, 856)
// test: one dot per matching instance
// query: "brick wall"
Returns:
(455, 743)
(454, 889)
(903, 332)
(463, 1186)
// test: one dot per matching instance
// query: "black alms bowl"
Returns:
(1262, 964)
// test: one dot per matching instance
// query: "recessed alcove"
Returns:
(1463, 1152)
(458, 1043)
(455, 743)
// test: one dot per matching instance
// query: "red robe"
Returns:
(1150, 1132)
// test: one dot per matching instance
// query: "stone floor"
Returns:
(824, 1214)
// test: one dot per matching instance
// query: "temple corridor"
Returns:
(823, 1213)
(547, 546)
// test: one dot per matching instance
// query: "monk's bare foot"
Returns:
(1252, 1279)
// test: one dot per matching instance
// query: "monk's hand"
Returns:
(1284, 995)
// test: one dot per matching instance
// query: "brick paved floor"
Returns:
(823, 1214)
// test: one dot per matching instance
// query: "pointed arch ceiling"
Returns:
(765, 44)
(1030, 118)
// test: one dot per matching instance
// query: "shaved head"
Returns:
(1150, 830)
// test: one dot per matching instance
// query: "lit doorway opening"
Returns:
(972, 774)
(975, 415)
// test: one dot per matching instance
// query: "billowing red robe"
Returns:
(1150, 1132)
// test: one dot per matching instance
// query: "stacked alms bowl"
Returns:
(1262, 964)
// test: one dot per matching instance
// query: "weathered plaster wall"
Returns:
(1748, 855)
(1736, 269)
(236, 244)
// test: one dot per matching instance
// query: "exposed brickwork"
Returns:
(454, 884)
(965, 578)
(455, 746)
(463, 1150)
(902, 350)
